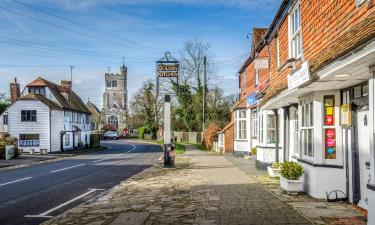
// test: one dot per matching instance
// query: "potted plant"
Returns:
(274, 170)
(290, 179)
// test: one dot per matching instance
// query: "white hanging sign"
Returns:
(299, 77)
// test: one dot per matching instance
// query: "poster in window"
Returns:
(329, 110)
(330, 143)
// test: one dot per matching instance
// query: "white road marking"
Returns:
(45, 214)
(111, 157)
(15, 181)
(67, 168)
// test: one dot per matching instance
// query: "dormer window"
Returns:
(37, 90)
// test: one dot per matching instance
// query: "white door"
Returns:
(364, 154)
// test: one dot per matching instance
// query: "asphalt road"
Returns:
(32, 195)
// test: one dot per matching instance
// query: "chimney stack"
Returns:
(15, 92)
(66, 84)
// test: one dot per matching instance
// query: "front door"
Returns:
(363, 154)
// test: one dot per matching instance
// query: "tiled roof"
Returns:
(350, 40)
(43, 99)
(74, 102)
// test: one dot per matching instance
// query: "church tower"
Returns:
(115, 99)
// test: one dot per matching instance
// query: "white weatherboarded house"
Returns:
(49, 116)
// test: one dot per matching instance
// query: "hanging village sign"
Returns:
(167, 66)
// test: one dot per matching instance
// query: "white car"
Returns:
(111, 135)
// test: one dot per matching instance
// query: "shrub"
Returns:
(275, 165)
(254, 151)
(141, 132)
(291, 170)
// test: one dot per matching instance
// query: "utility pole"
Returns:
(204, 90)
(71, 75)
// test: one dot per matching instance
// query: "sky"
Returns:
(44, 37)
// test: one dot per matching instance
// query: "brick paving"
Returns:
(203, 189)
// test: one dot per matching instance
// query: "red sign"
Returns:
(328, 120)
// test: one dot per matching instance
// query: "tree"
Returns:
(142, 107)
(4, 102)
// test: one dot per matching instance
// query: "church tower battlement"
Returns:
(115, 99)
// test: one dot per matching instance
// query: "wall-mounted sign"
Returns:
(346, 115)
(167, 66)
(299, 77)
(251, 100)
(261, 64)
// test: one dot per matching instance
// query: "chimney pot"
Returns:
(66, 84)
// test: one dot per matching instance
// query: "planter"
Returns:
(273, 172)
(291, 185)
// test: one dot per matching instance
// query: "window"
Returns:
(113, 120)
(295, 132)
(260, 129)
(256, 77)
(277, 52)
(29, 140)
(5, 119)
(244, 82)
(254, 124)
(271, 129)
(67, 139)
(111, 83)
(38, 90)
(307, 128)
(79, 118)
(295, 32)
(28, 115)
(241, 124)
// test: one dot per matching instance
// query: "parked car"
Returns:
(111, 135)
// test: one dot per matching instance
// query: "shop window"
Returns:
(329, 133)
(29, 140)
(67, 139)
(254, 124)
(271, 129)
(307, 128)
(295, 45)
(241, 129)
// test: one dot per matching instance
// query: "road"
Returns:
(32, 195)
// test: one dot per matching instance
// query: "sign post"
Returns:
(167, 68)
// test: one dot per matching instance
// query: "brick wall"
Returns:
(323, 23)
(229, 138)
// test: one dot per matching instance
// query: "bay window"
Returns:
(241, 128)
(271, 129)
(307, 128)
(254, 124)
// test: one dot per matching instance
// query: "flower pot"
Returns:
(273, 172)
(291, 185)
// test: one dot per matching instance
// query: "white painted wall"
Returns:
(41, 126)
(57, 125)
(371, 193)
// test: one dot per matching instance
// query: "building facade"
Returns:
(47, 116)
(316, 105)
(115, 100)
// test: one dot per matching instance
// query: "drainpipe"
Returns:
(277, 135)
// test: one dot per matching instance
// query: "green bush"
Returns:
(291, 170)
(275, 165)
(254, 151)
(141, 132)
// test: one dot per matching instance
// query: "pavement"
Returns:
(202, 189)
(34, 194)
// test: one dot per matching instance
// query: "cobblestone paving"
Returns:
(203, 189)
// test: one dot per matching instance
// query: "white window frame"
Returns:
(269, 129)
(244, 82)
(254, 124)
(261, 127)
(256, 77)
(306, 127)
(295, 36)
(277, 51)
(241, 124)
